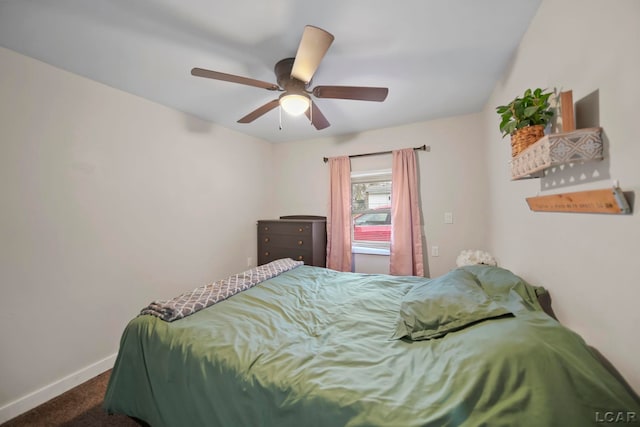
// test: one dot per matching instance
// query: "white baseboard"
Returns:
(48, 392)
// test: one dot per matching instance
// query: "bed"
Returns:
(315, 347)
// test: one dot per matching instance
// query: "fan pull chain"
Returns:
(280, 117)
(311, 114)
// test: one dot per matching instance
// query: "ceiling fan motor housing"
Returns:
(284, 79)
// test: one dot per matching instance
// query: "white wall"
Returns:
(108, 202)
(452, 179)
(588, 261)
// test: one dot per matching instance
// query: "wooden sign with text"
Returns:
(609, 201)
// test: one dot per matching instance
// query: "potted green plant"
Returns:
(525, 118)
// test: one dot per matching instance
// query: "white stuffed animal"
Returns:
(472, 257)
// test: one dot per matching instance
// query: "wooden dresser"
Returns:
(300, 237)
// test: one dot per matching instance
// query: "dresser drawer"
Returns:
(269, 240)
(290, 228)
(272, 254)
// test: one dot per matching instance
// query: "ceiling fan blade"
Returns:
(201, 72)
(318, 120)
(314, 44)
(259, 111)
(359, 93)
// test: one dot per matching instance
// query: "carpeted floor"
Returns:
(80, 406)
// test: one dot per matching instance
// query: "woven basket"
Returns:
(524, 137)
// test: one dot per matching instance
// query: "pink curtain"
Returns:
(406, 231)
(339, 219)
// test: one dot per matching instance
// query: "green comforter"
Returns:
(314, 347)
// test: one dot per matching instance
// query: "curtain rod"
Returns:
(423, 148)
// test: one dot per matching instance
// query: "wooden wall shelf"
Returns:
(608, 200)
(555, 149)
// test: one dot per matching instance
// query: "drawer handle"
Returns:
(266, 240)
(266, 253)
(266, 228)
(300, 257)
(300, 242)
(300, 229)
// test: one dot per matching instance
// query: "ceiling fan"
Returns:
(294, 77)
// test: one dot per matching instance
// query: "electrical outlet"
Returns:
(448, 217)
(249, 261)
(435, 251)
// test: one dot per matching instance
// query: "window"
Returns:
(371, 209)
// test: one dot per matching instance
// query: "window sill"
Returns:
(370, 251)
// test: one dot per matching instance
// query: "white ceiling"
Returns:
(438, 58)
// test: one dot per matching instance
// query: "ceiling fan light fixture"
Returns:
(294, 104)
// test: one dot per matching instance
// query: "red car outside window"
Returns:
(373, 225)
